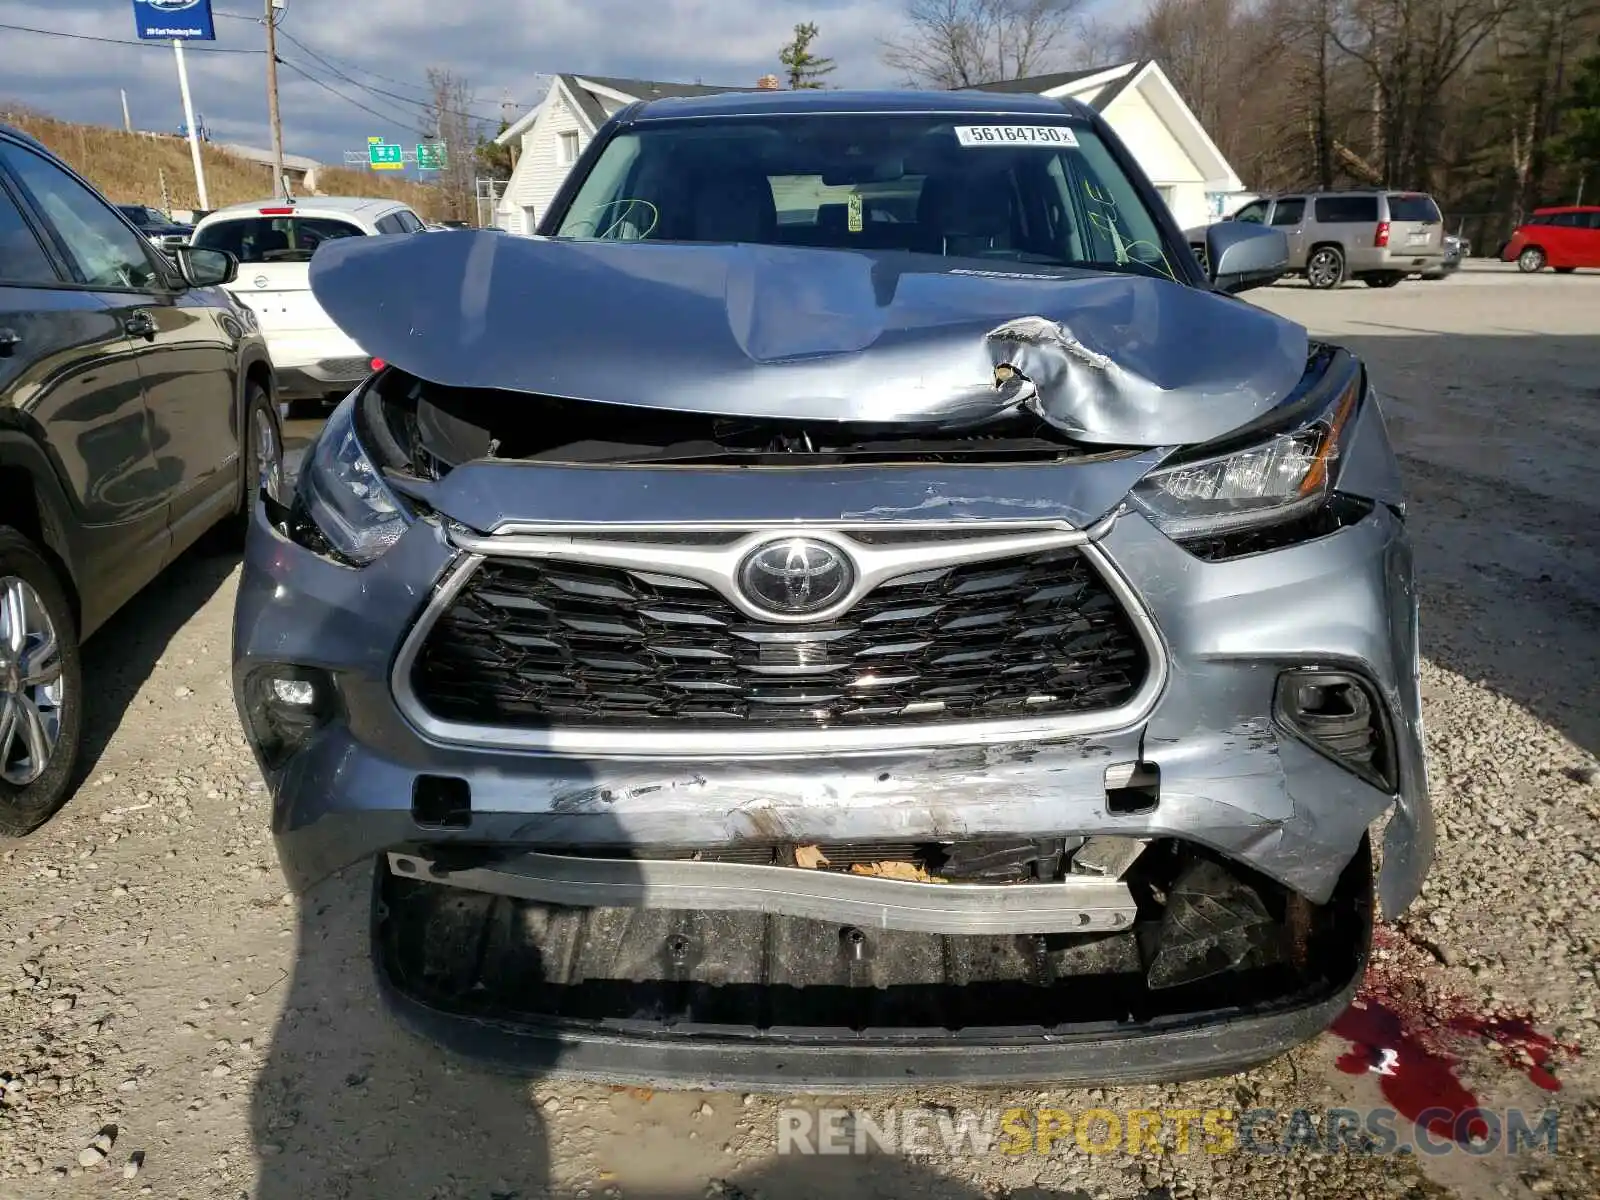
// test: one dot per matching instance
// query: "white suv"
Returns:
(274, 241)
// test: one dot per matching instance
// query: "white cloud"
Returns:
(502, 46)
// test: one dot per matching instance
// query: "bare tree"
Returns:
(963, 43)
(1207, 47)
(1304, 32)
(447, 117)
(1095, 42)
(1410, 50)
(1476, 100)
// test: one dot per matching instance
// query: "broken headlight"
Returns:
(1287, 475)
(343, 495)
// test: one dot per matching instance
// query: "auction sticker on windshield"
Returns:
(1015, 135)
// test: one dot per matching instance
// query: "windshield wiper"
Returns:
(1132, 266)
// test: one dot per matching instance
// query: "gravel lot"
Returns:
(160, 992)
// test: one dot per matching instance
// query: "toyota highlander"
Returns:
(850, 601)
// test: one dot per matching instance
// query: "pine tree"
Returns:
(805, 68)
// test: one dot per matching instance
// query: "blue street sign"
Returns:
(169, 20)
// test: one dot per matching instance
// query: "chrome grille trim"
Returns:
(714, 566)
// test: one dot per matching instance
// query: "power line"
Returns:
(332, 63)
(425, 105)
(401, 121)
(189, 48)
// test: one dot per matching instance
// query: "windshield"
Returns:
(140, 215)
(1019, 189)
(274, 239)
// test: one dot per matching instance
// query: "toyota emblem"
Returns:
(795, 577)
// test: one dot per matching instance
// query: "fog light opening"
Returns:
(1338, 714)
(287, 706)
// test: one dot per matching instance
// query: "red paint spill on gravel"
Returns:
(1405, 1033)
(1412, 1078)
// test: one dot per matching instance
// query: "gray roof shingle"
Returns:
(1044, 83)
(643, 89)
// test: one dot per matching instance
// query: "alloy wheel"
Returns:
(32, 690)
(269, 454)
(1324, 269)
(1531, 259)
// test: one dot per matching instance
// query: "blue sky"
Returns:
(502, 46)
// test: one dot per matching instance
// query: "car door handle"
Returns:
(140, 324)
(10, 339)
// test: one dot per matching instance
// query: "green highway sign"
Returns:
(385, 156)
(432, 156)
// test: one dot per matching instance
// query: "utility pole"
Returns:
(273, 6)
(127, 120)
(194, 133)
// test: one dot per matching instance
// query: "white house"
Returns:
(550, 137)
(1158, 127)
(1136, 99)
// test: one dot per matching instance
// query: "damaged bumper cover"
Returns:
(1232, 777)
(851, 742)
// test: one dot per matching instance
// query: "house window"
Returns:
(567, 151)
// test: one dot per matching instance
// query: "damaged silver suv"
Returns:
(851, 602)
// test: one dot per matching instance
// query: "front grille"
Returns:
(539, 644)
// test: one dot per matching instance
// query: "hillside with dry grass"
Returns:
(131, 168)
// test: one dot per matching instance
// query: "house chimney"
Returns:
(768, 83)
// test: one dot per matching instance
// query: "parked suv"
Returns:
(136, 399)
(1376, 237)
(1562, 238)
(157, 226)
(274, 241)
(851, 601)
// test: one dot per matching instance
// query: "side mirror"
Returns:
(205, 268)
(1241, 255)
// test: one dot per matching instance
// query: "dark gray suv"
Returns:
(850, 602)
(135, 415)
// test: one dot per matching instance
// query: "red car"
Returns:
(1564, 238)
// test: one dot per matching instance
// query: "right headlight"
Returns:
(343, 495)
(1286, 475)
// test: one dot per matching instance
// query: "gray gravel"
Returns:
(168, 1012)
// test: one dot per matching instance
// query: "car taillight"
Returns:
(1381, 238)
(377, 364)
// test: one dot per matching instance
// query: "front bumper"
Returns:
(1231, 779)
(1195, 1044)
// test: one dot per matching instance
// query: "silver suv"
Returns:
(1376, 237)
(1024, 732)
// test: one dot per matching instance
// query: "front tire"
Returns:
(1325, 270)
(41, 688)
(261, 448)
(1530, 260)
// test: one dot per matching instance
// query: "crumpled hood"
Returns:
(818, 335)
